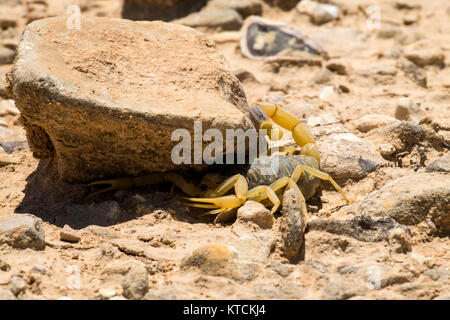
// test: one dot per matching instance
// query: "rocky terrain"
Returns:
(378, 103)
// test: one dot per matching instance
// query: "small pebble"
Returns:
(401, 240)
(4, 266)
(255, 212)
(6, 55)
(372, 121)
(40, 268)
(441, 164)
(135, 283)
(337, 67)
(322, 76)
(23, 231)
(388, 31)
(69, 235)
(8, 107)
(319, 13)
(387, 149)
(281, 268)
(107, 293)
(6, 295)
(408, 110)
(18, 285)
(410, 19)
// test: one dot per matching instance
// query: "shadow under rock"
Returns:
(58, 202)
(141, 10)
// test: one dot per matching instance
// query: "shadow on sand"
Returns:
(59, 203)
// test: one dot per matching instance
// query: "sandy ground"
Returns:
(153, 227)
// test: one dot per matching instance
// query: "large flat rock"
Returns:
(104, 100)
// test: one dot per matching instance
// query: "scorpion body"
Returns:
(266, 170)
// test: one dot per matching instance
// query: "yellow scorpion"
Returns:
(298, 172)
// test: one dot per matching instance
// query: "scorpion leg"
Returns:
(130, 182)
(289, 183)
(288, 151)
(113, 184)
(178, 180)
(260, 193)
(300, 169)
(208, 206)
(237, 181)
(225, 202)
(216, 199)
